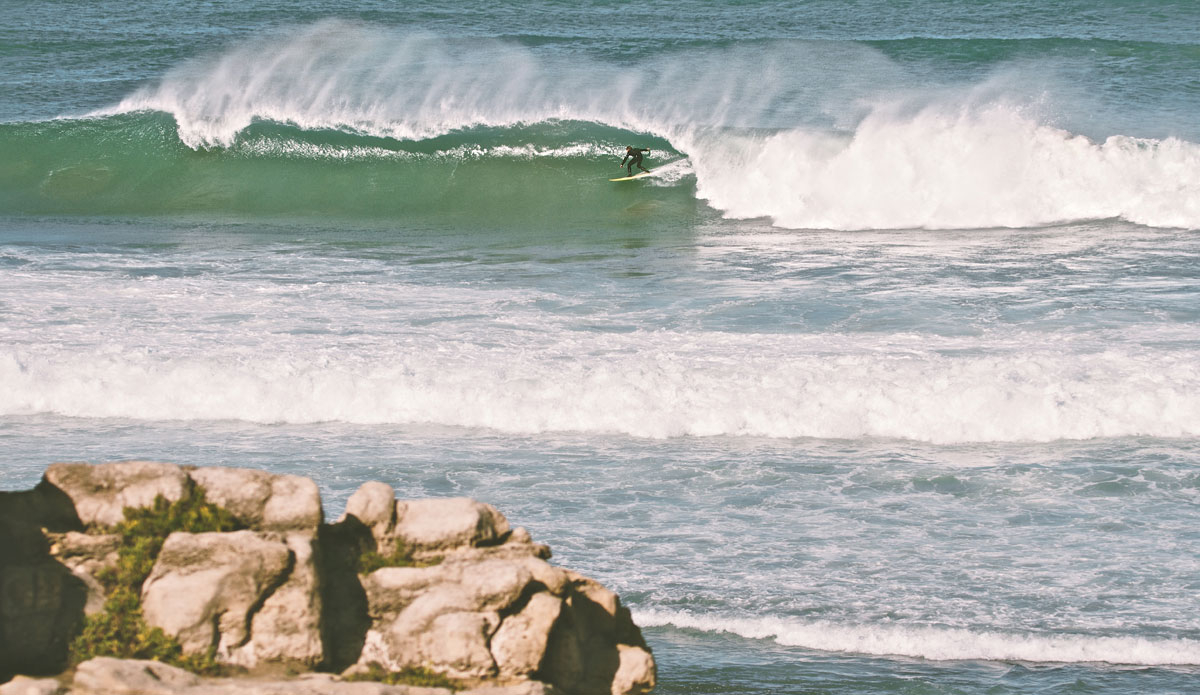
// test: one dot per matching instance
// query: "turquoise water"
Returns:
(887, 382)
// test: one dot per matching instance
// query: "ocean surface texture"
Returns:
(888, 381)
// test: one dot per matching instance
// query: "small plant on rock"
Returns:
(416, 676)
(402, 556)
(120, 630)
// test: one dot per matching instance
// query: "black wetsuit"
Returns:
(634, 156)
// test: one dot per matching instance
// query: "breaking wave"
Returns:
(349, 119)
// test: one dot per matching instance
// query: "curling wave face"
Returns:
(135, 164)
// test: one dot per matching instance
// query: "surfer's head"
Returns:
(629, 148)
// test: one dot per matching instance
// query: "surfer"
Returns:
(634, 156)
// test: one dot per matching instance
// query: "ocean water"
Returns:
(887, 382)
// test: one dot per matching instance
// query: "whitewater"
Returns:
(886, 383)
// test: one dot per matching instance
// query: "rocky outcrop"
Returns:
(453, 589)
(493, 608)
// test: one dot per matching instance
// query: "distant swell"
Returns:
(646, 385)
(941, 643)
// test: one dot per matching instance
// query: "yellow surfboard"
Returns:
(639, 175)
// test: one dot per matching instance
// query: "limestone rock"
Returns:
(457, 643)
(435, 524)
(374, 504)
(288, 626)
(105, 676)
(30, 686)
(636, 673)
(392, 589)
(295, 503)
(515, 544)
(558, 626)
(440, 629)
(261, 500)
(101, 492)
(519, 646)
(441, 617)
(491, 585)
(204, 586)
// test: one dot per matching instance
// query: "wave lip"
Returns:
(940, 643)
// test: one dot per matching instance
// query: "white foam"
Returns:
(306, 150)
(949, 166)
(645, 384)
(940, 643)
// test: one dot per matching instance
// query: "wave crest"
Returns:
(971, 156)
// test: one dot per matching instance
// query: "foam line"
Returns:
(940, 643)
(648, 384)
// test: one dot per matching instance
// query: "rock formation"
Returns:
(446, 587)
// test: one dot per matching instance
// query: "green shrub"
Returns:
(120, 630)
(402, 556)
(416, 676)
